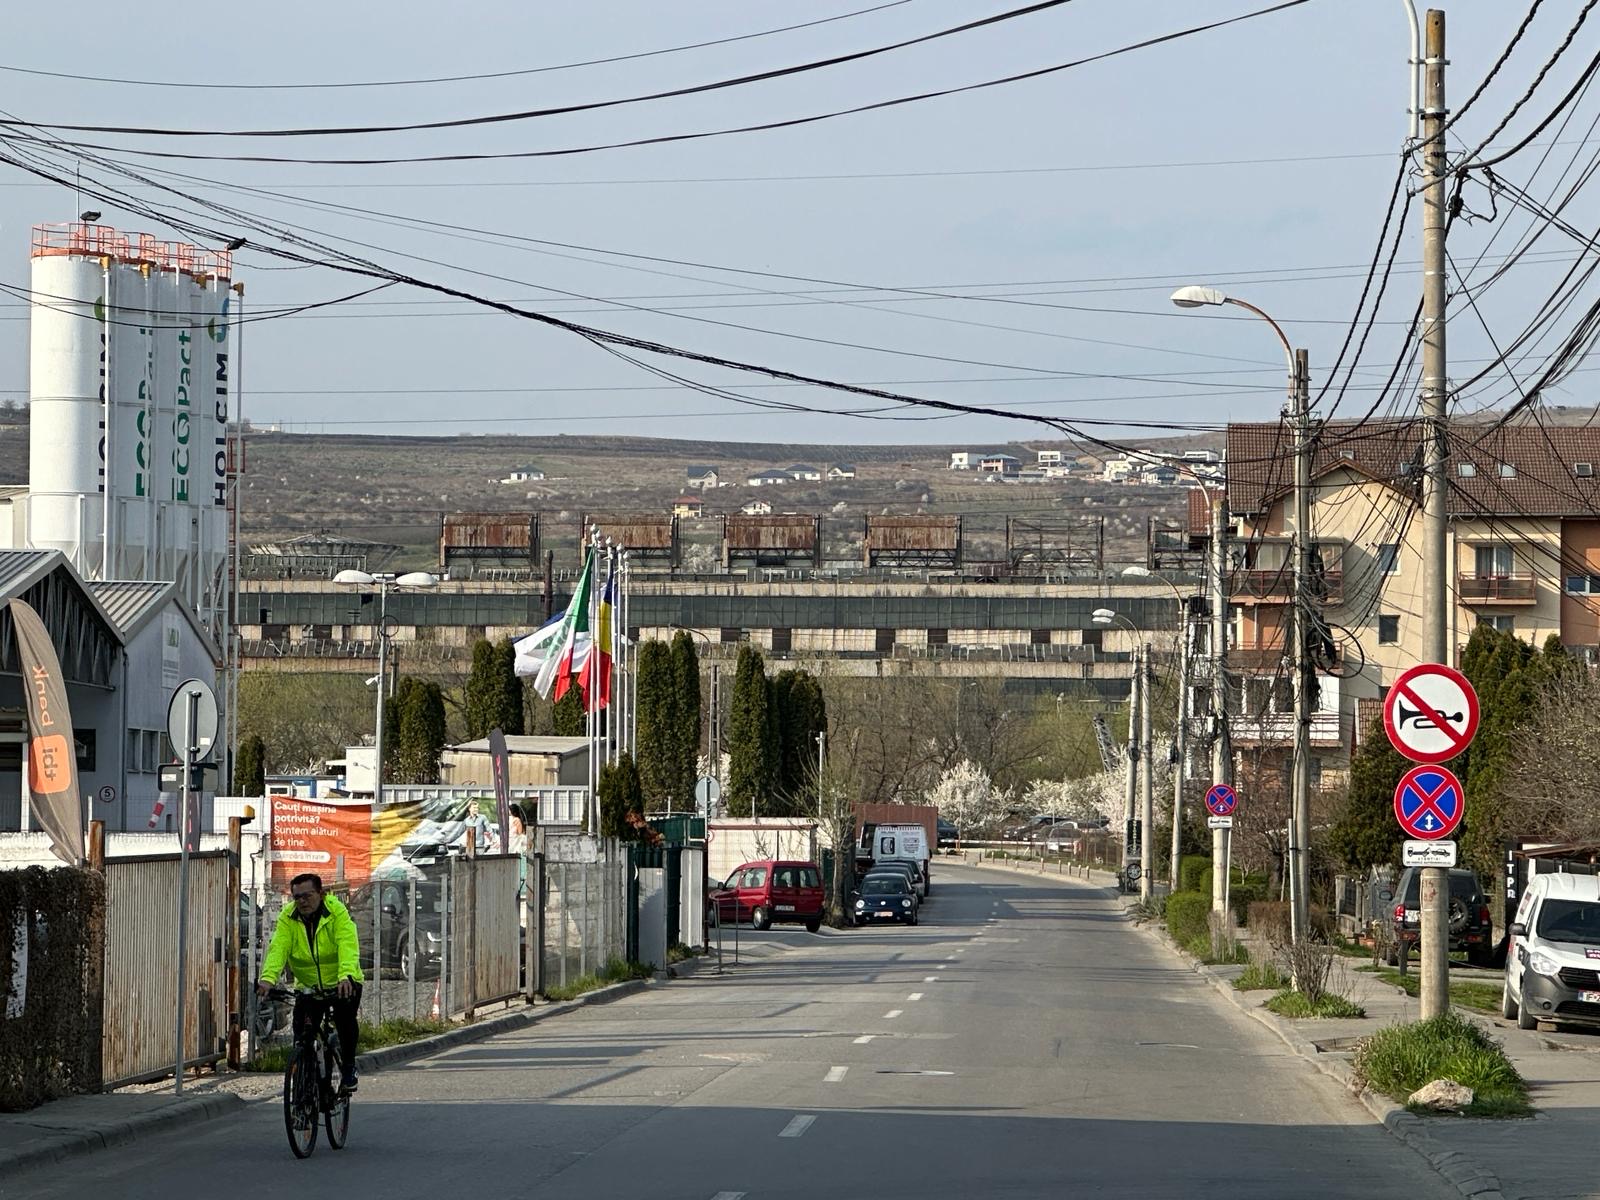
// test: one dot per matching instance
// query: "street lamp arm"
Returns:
(1288, 350)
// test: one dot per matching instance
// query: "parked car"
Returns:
(395, 903)
(1471, 925)
(1064, 837)
(948, 833)
(908, 868)
(1553, 963)
(884, 896)
(772, 891)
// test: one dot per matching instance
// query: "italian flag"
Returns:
(569, 641)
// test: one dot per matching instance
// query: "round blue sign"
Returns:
(1221, 801)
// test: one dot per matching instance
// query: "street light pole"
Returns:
(1300, 617)
(1147, 800)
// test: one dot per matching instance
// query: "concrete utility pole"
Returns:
(1305, 679)
(1147, 800)
(1435, 932)
(1130, 806)
(1221, 743)
(1180, 769)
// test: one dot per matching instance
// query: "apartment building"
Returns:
(1523, 547)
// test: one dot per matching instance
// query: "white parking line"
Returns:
(930, 979)
(865, 1038)
(729, 1196)
(835, 1074)
(951, 957)
(797, 1126)
(914, 996)
(892, 1014)
(943, 966)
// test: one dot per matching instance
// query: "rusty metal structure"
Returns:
(1174, 546)
(315, 556)
(473, 542)
(923, 541)
(651, 539)
(1037, 544)
(789, 540)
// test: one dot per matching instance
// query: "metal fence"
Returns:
(139, 1035)
(585, 915)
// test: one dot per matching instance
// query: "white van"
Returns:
(1553, 959)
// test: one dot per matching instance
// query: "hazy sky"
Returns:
(1258, 157)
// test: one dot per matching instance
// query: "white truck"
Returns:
(905, 842)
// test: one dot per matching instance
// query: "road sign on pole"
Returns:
(1221, 801)
(1431, 713)
(1429, 802)
(205, 718)
(1428, 854)
(1219, 822)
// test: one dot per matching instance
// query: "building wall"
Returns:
(1580, 551)
(461, 767)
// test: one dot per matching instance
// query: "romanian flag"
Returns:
(571, 639)
(598, 666)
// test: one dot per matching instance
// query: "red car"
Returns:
(772, 891)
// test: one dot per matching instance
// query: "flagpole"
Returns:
(591, 818)
(627, 666)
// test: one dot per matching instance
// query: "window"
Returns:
(1466, 470)
(1094, 637)
(1492, 560)
(1583, 470)
(884, 641)
(782, 640)
(1389, 558)
(1039, 637)
(1583, 585)
(1507, 471)
(729, 635)
(1503, 624)
(941, 637)
(1388, 629)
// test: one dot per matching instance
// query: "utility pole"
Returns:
(1435, 991)
(822, 762)
(1305, 685)
(1221, 743)
(1147, 800)
(1180, 769)
(1130, 823)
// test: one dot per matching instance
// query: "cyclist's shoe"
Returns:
(348, 1081)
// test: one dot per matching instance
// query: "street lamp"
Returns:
(1138, 732)
(383, 582)
(1300, 419)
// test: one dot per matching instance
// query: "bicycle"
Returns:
(310, 1097)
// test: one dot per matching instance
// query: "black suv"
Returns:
(394, 899)
(1471, 926)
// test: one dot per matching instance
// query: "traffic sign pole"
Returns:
(1430, 715)
(1221, 801)
(187, 750)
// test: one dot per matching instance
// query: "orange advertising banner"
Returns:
(330, 840)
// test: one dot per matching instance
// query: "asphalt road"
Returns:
(1023, 1041)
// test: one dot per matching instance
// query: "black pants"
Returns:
(308, 1012)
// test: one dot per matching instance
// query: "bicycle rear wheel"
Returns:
(338, 1109)
(300, 1102)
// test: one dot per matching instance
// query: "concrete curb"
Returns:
(1466, 1175)
(391, 1056)
(51, 1147)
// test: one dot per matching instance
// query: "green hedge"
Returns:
(51, 926)
(1190, 868)
(1187, 917)
(1244, 890)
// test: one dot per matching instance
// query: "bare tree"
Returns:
(1554, 770)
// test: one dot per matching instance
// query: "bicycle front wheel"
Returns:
(300, 1102)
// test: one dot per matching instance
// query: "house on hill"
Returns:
(842, 471)
(804, 472)
(688, 506)
(999, 464)
(768, 478)
(524, 475)
(964, 460)
(701, 477)
(757, 508)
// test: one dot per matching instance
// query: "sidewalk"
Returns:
(1550, 1157)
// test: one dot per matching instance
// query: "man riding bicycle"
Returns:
(316, 939)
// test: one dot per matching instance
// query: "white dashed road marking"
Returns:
(797, 1126)
(865, 1038)
(728, 1196)
(892, 1014)
(914, 996)
(835, 1074)
(930, 979)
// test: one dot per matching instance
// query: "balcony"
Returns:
(1472, 588)
(1277, 729)
(1268, 660)
(1275, 585)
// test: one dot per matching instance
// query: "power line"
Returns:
(387, 83)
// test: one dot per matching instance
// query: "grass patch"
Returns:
(1288, 1003)
(394, 1032)
(1468, 993)
(1200, 947)
(677, 952)
(615, 971)
(1402, 1058)
(1262, 976)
